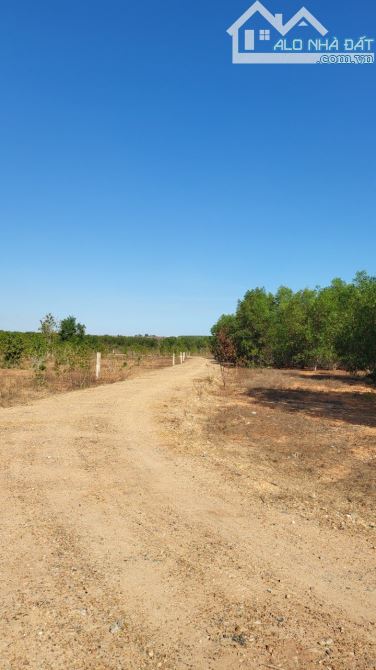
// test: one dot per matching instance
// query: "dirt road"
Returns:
(119, 553)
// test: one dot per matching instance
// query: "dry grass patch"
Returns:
(298, 440)
(22, 386)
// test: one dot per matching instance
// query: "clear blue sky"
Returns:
(146, 182)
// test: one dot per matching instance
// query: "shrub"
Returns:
(13, 350)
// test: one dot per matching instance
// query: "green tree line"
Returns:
(67, 340)
(328, 327)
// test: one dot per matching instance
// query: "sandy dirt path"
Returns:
(117, 553)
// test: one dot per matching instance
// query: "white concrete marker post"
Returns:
(173, 359)
(181, 358)
(98, 365)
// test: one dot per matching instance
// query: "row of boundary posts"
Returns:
(183, 356)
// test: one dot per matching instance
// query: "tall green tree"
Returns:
(356, 342)
(254, 325)
(71, 330)
(323, 327)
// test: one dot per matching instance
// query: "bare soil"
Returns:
(166, 522)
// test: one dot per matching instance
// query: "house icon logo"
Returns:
(259, 36)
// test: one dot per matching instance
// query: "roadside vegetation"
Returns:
(330, 327)
(61, 357)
